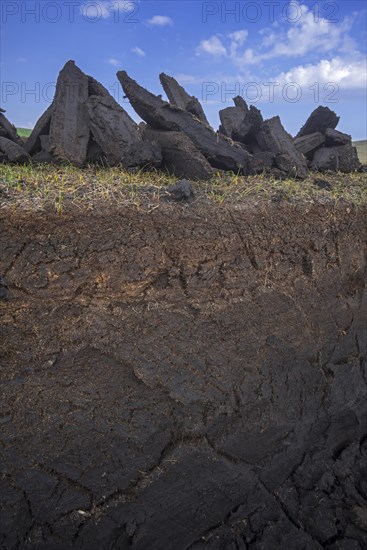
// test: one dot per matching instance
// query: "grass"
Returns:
(60, 188)
(24, 132)
(361, 150)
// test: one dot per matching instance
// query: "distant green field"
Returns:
(24, 132)
(362, 150)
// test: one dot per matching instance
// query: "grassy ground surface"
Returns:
(44, 187)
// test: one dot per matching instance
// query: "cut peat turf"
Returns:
(182, 375)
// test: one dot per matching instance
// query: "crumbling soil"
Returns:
(184, 378)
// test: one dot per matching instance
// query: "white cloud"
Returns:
(114, 62)
(270, 38)
(21, 60)
(160, 21)
(349, 75)
(138, 51)
(310, 34)
(183, 78)
(305, 34)
(212, 46)
(237, 39)
(97, 9)
(215, 46)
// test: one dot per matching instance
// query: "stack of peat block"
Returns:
(84, 124)
(11, 145)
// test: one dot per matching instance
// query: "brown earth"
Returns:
(184, 378)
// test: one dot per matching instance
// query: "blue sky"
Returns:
(284, 57)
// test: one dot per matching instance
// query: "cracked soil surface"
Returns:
(184, 379)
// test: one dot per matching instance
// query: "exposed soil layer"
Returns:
(184, 378)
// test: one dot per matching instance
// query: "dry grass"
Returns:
(45, 187)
